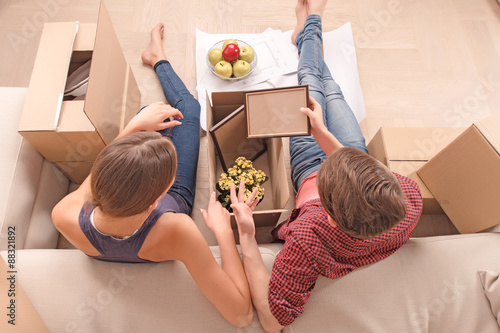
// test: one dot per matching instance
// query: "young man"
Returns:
(351, 210)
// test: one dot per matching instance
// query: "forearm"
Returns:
(131, 127)
(231, 261)
(258, 278)
(326, 140)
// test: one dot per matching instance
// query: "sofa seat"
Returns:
(429, 285)
(74, 293)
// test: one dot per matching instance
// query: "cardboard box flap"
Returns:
(490, 128)
(42, 106)
(86, 37)
(228, 98)
(106, 90)
(411, 143)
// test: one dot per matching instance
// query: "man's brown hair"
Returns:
(359, 193)
(132, 172)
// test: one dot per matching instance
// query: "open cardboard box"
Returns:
(272, 162)
(68, 132)
(465, 176)
(405, 150)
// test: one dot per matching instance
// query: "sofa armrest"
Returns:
(31, 185)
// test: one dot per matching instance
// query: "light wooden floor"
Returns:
(421, 63)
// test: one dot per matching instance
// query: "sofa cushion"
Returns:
(31, 185)
(429, 285)
(491, 285)
(75, 293)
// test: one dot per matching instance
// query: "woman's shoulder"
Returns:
(168, 237)
(172, 227)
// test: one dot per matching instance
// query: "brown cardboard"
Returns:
(26, 317)
(231, 142)
(272, 162)
(275, 112)
(465, 177)
(65, 130)
(409, 169)
(76, 171)
(405, 149)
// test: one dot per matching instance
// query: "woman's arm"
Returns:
(218, 221)
(225, 287)
(256, 272)
(152, 118)
(325, 139)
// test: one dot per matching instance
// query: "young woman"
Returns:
(135, 205)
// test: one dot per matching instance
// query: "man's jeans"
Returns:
(305, 154)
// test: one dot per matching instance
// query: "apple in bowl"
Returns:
(240, 57)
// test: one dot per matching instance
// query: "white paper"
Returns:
(277, 65)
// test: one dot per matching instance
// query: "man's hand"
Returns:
(243, 209)
(217, 217)
(315, 115)
(152, 118)
(325, 139)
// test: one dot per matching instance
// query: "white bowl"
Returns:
(241, 43)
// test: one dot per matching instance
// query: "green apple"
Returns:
(223, 68)
(247, 53)
(241, 68)
(229, 41)
(214, 56)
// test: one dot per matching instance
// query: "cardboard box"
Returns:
(404, 150)
(65, 130)
(231, 142)
(272, 162)
(76, 171)
(465, 177)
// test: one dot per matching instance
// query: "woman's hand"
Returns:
(243, 209)
(315, 115)
(217, 217)
(152, 118)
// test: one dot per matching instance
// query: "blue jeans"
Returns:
(186, 137)
(305, 155)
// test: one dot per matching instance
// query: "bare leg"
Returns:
(316, 7)
(301, 13)
(155, 52)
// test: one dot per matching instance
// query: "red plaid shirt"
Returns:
(314, 247)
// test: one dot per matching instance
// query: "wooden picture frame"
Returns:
(231, 142)
(276, 112)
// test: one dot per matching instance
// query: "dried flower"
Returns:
(243, 169)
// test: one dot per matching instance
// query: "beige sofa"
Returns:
(432, 284)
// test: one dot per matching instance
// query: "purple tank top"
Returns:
(124, 250)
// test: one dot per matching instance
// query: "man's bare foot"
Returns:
(301, 13)
(155, 52)
(316, 7)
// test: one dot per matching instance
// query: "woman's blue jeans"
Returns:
(305, 154)
(186, 137)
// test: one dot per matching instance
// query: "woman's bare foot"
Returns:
(316, 7)
(155, 52)
(301, 13)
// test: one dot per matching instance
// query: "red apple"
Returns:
(231, 52)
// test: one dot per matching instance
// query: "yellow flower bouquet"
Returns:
(243, 169)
